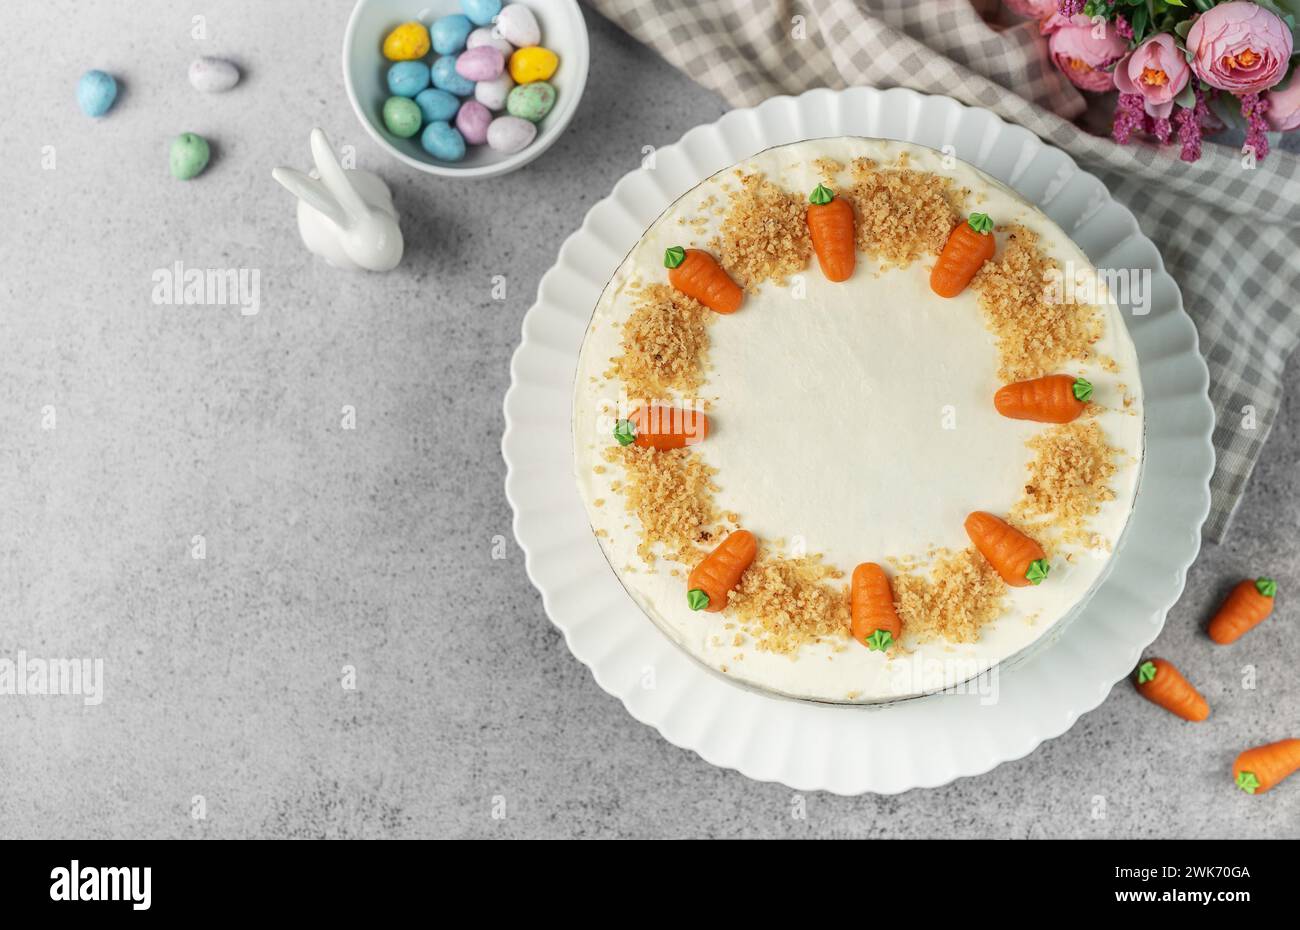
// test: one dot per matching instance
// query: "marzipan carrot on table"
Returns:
(657, 427)
(875, 622)
(1159, 682)
(830, 225)
(1246, 608)
(1050, 399)
(697, 274)
(712, 581)
(1017, 558)
(969, 246)
(1256, 770)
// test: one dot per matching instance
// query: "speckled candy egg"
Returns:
(449, 33)
(510, 134)
(533, 63)
(518, 25)
(189, 156)
(437, 105)
(407, 42)
(473, 121)
(480, 64)
(213, 75)
(96, 92)
(407, 78)
(493, 94)
(445, 77)
(489, 36)
(481, 12)
(531, 101)
(442, 141)
(402, 117)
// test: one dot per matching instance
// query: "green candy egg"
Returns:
(189, 156)
(402, 116)
(531, 101)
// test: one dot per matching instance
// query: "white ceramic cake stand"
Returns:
(849, 750)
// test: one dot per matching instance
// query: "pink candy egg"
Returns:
(480, 64)
(473, 120)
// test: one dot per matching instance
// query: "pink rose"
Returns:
(1284, 106)
(1054, 22)
(1239, 47)
(1082, 51)
(1157, 71)
(1036, 9)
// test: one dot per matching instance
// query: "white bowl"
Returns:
(564, 31)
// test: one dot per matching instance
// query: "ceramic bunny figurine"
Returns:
(346, 217)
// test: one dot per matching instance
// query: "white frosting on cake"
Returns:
(855, 421)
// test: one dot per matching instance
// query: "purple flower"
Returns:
(1129, 118)
(1253, 108)
(1191, 121)
(1160, 127)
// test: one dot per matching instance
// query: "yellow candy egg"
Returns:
(407, 42)
(533, 63)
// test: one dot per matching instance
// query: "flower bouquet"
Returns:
(1181, 67)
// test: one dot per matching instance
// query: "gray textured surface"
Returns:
(372, 547)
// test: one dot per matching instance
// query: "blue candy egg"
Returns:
(437, 105)
(407, 78)
(448, 34)
(445, 77)
(443, 141)
(480, 12)
(96, 92)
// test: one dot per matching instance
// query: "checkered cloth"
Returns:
(1228, 235)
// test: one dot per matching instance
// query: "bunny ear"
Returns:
(312, 192)
(335, 180)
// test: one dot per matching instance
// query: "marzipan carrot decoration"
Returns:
(710, 582)
(1161, 683)
(657, 427)
(875, 622)
(1256, 770)
(830, 225)
(969, 246)
(1050, 399)
(1017, 558)
(1246, 608)
(697, 274)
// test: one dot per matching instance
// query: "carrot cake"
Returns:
(846, 428)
